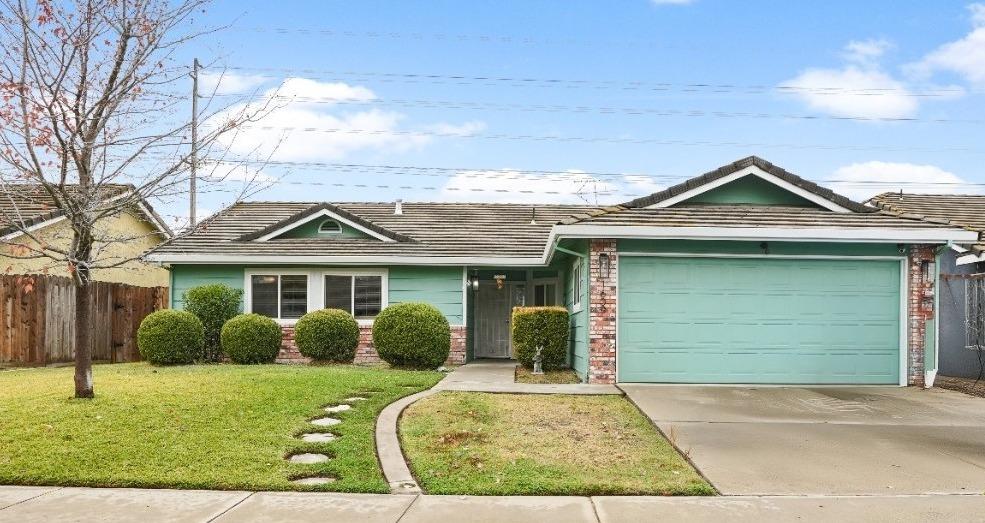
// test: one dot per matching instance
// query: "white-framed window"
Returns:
(577, 284)
(287, 294)
(279, 296)
(360, 293)
(545, 293)
(330, 227)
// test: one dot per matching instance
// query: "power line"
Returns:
(613, 140)
(582, 109)
(608, 84)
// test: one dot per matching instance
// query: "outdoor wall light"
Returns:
(500, 281)
(473, 283)
(604, 265)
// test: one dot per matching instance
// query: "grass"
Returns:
(525, 375)
(206, 426)
(503, 444)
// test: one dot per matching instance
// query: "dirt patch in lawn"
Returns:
(966, 385)
(506, 444)
(525, 375)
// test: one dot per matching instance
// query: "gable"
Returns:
(311, 230)
(749, 190)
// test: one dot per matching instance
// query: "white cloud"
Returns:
(866, 52)
(510, 186)
(965, 57)
(237, 172)
(861, 181)
(301, 103)
(228, 83)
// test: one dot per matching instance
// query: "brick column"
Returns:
(365, 352)
(602, 314)
(920, 305)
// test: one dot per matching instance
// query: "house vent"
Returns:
(398, 206)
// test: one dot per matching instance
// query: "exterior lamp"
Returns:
(604, 265)
(500, 281)
(473, 282)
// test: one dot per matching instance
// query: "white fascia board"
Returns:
(958, 249)
(323, 214)
(36, 226)
(248, 259)
(813, 234)
(752, 170)
(970, 258)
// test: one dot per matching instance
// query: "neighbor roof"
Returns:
(965, 210)
(28, 204)
(423, 230)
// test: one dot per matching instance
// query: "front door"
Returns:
(493, 307)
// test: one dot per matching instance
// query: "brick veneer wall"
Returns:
(365, 352)
(920, 305)
(602, 313)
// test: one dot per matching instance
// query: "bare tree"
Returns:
(87, 88)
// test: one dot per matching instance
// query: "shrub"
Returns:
(414, 335)
(170, 337)
(214, 304)
(327, 335)
(541, 326)
(251, 338)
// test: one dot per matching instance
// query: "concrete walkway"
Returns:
(481, 376)
(58, 505)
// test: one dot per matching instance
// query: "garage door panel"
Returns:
(718, 320)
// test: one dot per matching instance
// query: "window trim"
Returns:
(577, 284)
(336, 232)
(554, 280)
(316, 287)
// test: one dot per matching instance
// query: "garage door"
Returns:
(755, 320)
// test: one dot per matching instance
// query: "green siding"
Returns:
(439, 286)
(578, 336)
(184, 277)
(310, 230)
(750, 190)
(732, 320)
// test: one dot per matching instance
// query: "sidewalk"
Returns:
(57, 505)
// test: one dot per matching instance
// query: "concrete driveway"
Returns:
(823, 441)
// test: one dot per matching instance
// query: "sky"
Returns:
(591, 101)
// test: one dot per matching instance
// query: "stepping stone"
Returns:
(338, 408)
(325, 422)
(355, 398)
(308, 458)
(319, 437)
(313, 481)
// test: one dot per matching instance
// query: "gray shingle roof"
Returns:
(965, 210)
(436, 230)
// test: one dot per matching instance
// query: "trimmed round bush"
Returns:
(412, 335)
(327, 335)
(546, 327)
(251, 338)
(214, 304)
(171, 337)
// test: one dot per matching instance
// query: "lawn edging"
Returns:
(390, 454)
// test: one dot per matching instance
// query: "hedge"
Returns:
(214, 304)
(170, 337)
(541, 326)
(412, 335)
(327, 335)
(251, 338)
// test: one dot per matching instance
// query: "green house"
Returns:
(745, 274)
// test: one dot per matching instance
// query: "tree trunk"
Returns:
(83, 338)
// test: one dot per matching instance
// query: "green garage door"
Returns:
(755, 320)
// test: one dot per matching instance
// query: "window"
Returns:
(545, 294)
(360, 295)
(329, 227)
(577, 284)
(282, 296)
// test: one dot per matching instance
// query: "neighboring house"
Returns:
(745, 274)
(962, 276)
(33, 209)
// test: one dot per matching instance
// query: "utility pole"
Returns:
(194, 151)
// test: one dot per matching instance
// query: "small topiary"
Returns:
(414, 335)
(170, 337)
(251, 338)
(327, 335)
(214, 304)
(541, 326)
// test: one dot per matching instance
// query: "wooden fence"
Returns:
(37, 319)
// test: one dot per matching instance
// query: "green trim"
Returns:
(749, 190)
(558, 248)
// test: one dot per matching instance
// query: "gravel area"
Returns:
(966, 385)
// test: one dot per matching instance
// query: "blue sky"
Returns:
(818, 88)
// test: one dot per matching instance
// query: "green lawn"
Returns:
(502, 444)
(206, 426)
